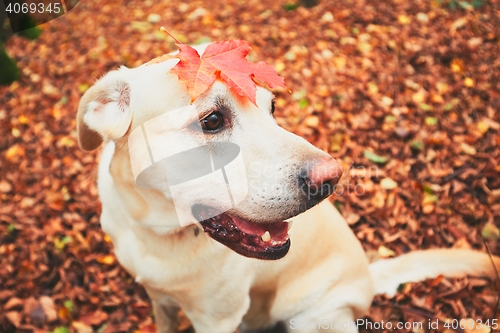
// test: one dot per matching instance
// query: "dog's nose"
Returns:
(318, 180)
(326, 171)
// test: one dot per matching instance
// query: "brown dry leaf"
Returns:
(457, 25)
(14, 318)
(81, 327)
(5, 186)
(48, 307)
(468, 149)
(55, 201)
(13, 303)
(94, 319)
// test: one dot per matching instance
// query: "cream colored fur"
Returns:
(325, 276)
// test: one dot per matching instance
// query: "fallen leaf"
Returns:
(403, 19)
(48, 307)
(81, 327)
(417, 144)
(374, 157)
(491, 231)
(13, 317)
(468, 149)
(468, 82)
(5, 186)
(475, 42)
(388, 184)
(224, 60)
(385, 252)
(96, 318)
(15, 151)
(13, 303)
(106, 260)
(61, 329)
(457, 25)
(457, 65)
(312, 121)
(352, 218)
(431, 121)
(429, 198)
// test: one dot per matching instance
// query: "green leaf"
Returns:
(427, 189)
(374, 157)
(465, 5)
(431, 121)
(390, 119)
(448, 106)
(61, 329)
(417, 144)
(290, 6)
(11, 228)
(101, 329)
(69, 305)
(429, 198)
(60, 244)
(63, 100)
(67, 240)
(337, 98)
(303, 103)
(426, 107)
(491, 231)
(478, 3)
(299, 94)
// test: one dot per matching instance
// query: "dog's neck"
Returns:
(149, 208)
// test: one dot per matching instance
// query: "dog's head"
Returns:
(222, 161)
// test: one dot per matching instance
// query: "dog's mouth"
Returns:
(267, 241)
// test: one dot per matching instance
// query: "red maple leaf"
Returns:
(225, 60)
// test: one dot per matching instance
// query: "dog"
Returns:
(236, 264)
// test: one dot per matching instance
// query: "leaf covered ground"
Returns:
(406, 94)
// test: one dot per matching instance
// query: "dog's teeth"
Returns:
(290, 223)
(266, 237)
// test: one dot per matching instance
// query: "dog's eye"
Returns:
(272, 107)
(213, 122)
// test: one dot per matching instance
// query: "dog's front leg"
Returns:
(166, 318)
(165, 311)
(211, 317)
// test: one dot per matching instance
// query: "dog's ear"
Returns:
(104, 112)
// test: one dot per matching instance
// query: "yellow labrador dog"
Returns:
(197, 199)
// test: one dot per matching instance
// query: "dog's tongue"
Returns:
(277, 230)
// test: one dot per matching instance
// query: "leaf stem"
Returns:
(168, 33)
